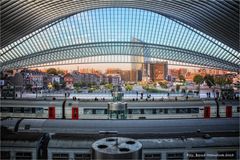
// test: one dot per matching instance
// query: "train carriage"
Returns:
(73, 109)
(24, 109)
(27, 146)
(229, 109)
(67, 140)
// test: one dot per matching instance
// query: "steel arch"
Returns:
(120, 48)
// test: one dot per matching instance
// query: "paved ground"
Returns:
(108, 95)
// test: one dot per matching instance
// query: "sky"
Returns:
(100, 66)
(103, 66)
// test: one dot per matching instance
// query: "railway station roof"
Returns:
(204, 33)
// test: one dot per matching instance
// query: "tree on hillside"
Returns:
(103, 83)
(52, 71)
(209, 79)
(109, 86)
(128, 87)
(223, 80)
(77, 86)
(181, 78)
(83, 84)
(229, 81)
(60, 72)
(63, 85)
(198, 79)
(56, 85)
(91, 84)
(164, 84)
(177, 87)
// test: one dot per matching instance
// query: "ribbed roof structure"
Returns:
(199, 32)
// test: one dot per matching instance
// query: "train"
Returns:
(38, 141)
(75, 110)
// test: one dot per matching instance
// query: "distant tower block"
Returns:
(113, 148)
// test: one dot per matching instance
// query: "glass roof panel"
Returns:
(119, 25)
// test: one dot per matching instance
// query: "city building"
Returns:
(56, 79)
(125, 75)
(78, 77)
(133, 75)
(158, 71)
(36, 80)
(68, 79)
(103, 79)
(115, 79)
(113, 71)
(137, 60)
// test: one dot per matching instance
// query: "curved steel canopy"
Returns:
(112, 31)
(218, 19)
